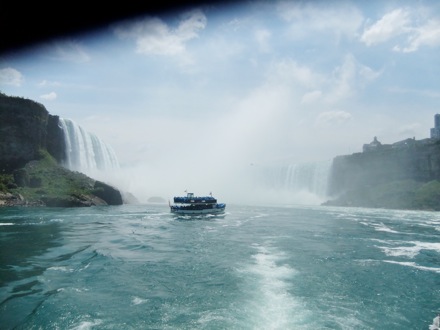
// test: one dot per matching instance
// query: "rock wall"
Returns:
(26, 129)
(417, 160)
(55, 142)
(32, 146)
(380, 174)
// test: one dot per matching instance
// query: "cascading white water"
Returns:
(311, 177)
(299, 180)
(85, 152)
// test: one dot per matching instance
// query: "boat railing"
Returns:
(195, 199)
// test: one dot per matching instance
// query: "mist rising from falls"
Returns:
(302, 183)
(85, 152)
(249, 184)
(236, 183)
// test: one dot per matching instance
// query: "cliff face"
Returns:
(26, 128)
(390, 176)
(418, 161)
(31, 148)
(55, 143)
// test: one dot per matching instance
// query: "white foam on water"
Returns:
(270, 304)
(414, 265)
(86, 325)
(61, 269)
(379, 227)
(138, 301)
(384, 228)
(6, 224)
(410, 249)
(56, 220)
(212, 317)
(435, 323)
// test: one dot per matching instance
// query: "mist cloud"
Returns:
(49, 97)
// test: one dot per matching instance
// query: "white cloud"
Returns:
(308, 17)
(343, 80)
(234, 24)
(290, 72)
(154, 36)
(427, 35)
(367, 73)
(416, 26)
(390, 25)
(332, 118)
(10, 76)
(348, 79)
(311, 97)
(262, 36)
(49, 97)
(310, 86)
(69, 51)
(45, 83)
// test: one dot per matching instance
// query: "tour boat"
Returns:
(191, 204)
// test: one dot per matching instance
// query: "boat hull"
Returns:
(217, 209)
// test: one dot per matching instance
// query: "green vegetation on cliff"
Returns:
(403, 175)
(404, 195)
(32, 147)
(44, 182)
(428, 196)
(6, 182)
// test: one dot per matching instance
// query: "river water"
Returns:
(255, 267)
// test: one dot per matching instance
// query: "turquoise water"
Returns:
(140, 267)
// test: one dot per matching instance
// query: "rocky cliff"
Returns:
(26, 127)
(404, 175)
(32, 147)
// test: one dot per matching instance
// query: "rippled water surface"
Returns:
(140, 267)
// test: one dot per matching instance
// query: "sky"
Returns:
(197, 97)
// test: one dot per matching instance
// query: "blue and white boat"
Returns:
(191, 204)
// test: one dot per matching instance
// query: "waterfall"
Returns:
(85, 152)
(299, 180)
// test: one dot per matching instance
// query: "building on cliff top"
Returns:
(376, 145)
(372, 146)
